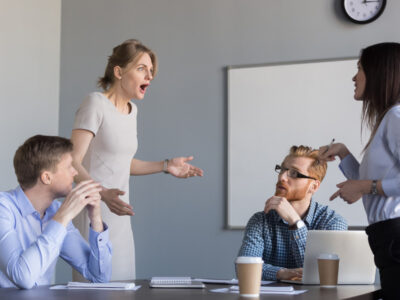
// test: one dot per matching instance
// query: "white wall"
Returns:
(179, 224)
(29, 75)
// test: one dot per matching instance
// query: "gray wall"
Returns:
(29, 75)
(179, 224)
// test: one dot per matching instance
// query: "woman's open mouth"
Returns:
(143, 88)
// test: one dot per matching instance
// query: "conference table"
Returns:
(354, 292)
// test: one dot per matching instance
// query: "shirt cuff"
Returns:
(390, 187)
(349, 167)
(272, 273)
(56, 231)
(99, 239)
(299, 235)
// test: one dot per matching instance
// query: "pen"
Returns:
(329, 146)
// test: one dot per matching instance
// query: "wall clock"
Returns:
(363, 11)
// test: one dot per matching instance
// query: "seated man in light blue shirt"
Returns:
(35, 229)
(278, 234)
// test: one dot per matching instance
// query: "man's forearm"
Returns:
(26, 266)
(93, 259)
(269, 272)
(97, 225)
(298, 244)
(96, 221)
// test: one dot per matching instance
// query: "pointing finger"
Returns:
(335, 195)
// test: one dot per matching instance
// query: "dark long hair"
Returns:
(381, 65)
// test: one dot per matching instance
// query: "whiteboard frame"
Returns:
(228, 217)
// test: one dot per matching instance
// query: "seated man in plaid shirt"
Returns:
(278, 234)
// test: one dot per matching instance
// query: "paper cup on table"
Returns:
(328, 268)
(249, 270)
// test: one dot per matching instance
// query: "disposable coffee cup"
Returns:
(249, 271)
(328, 268)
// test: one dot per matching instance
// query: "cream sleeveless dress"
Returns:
(108, 161)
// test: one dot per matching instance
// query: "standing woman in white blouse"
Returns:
(377, 178)
(105, 142)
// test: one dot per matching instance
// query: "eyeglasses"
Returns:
(292, 173)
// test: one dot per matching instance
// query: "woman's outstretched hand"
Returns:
(114, 202)
(179, 167)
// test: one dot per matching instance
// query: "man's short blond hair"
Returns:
(318, 167)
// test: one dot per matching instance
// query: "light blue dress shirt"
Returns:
(30, 246)
(381, 161)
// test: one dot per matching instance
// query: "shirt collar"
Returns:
(26, 208)
(23, 203)
(311, 212)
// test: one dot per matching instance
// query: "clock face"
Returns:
(363, 11)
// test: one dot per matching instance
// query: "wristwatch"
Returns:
(299, 224)
(165, 166)
(374, 190)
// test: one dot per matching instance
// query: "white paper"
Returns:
(224, 281)
(270, 288)
(58, 287)
(235, 290)
(98, 286)
(221, 281)
(223, 290)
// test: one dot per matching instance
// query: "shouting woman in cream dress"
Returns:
(105, 142)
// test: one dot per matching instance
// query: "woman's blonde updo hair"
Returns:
(129, 51)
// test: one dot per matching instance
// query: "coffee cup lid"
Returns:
(328, 256)
(248, 260)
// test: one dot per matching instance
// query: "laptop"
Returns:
(356, 264)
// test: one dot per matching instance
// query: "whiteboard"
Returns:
(271, 108)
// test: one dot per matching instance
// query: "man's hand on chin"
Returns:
(283, 207)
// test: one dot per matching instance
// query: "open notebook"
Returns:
(175, 282)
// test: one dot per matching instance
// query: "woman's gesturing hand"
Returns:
(179, 167)
(352, 190)
(329, 152)
(114, 202)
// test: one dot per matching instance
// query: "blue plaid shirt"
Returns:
(268, 236)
